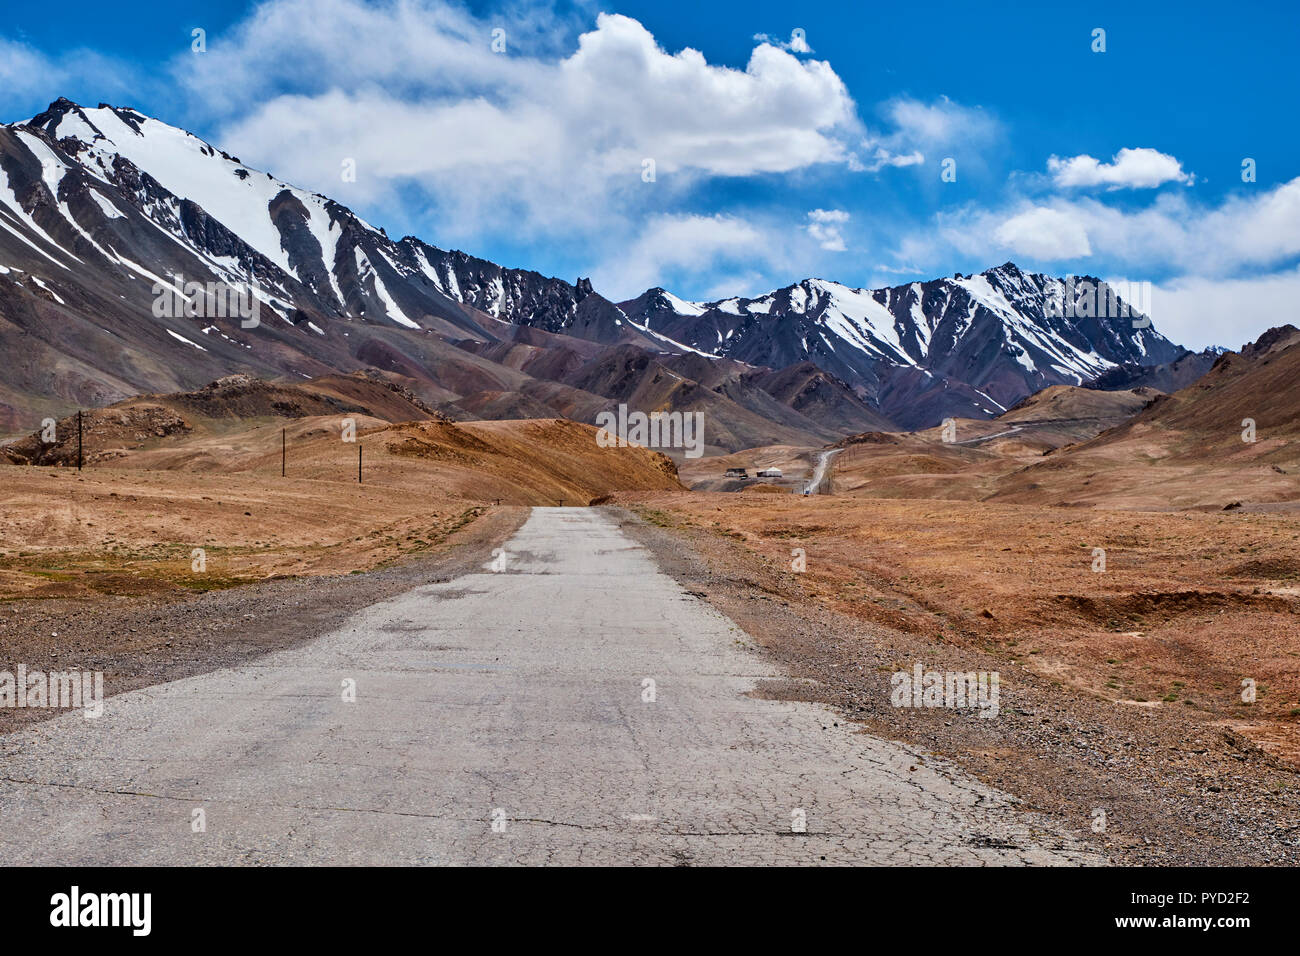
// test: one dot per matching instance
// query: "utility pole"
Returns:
(78, 439)
(358, 463)
(284, 444)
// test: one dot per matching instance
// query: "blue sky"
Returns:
(773, 159)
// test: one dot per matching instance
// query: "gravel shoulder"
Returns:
(1174, 788)
(140, 641)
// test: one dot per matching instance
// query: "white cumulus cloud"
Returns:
(537, 139)
(1140, 168)
(1245, 232)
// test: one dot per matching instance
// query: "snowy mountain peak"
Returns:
(100, 208)
(119, 179)
(996, 336)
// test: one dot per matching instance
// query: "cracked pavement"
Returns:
(514, 695)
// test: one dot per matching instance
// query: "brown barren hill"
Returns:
(229, 404)
(162, 480)
(1228, 440)
(981, 452)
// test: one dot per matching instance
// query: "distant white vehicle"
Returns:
(770, 473)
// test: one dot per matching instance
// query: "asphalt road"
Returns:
(502, 717)
(817, 484)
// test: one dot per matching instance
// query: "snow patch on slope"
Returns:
(194, 170)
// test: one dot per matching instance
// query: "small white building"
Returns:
(770, 473)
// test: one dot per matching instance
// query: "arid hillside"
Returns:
(968, 459)
(964, 462)
(165, 475)
(227, 406)
(1227, 441)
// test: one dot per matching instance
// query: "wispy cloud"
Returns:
(31, 79)
(797, 43)
(940, 123)
(1044, 233)
(824, 227)
(687, 251)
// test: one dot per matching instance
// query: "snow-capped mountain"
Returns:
(970, 345)
(109, 172)
(105, 213)
(101, 209)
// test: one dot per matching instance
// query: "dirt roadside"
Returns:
(1174, 789)
(139, 641)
